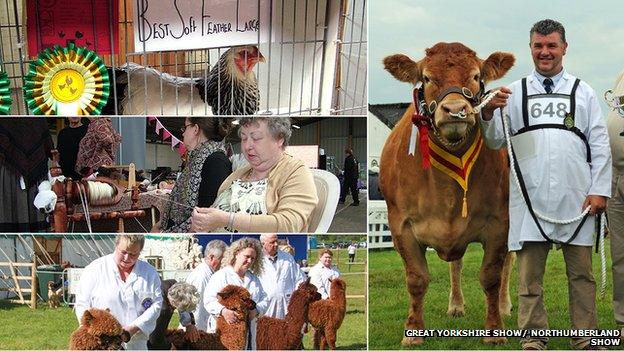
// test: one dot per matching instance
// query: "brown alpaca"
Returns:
(326, 315)
(285, 334)
(99, 330)
(228, 336)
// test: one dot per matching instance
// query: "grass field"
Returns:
(45, 328)
(388, 301)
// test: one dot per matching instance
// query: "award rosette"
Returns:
(5, 94)
(67, 81)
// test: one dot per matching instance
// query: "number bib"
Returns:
(551, 111)
(548, 109)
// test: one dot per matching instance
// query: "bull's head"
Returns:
(452, 77)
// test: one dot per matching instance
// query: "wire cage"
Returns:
(314, 53)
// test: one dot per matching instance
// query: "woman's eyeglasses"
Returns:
(183, 129)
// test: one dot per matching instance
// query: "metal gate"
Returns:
(315, 58)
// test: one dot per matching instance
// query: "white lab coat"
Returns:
(227, 276)
(320, 276)
(199, 278)
(279, 280)
(553, 163)
(101, 287)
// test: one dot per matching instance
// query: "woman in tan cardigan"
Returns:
(274, 193)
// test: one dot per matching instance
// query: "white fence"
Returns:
(378, 230)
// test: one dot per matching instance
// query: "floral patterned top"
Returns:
(242, 196)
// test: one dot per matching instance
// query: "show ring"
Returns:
(67, 81)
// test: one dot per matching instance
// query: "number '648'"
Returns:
(537, 110)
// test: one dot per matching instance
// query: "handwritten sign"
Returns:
(162, 25)
(84, 23)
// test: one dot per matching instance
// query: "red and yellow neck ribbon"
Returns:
(67, 81)
(458, 168)
(5, 94)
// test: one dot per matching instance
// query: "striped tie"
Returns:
(548, 85)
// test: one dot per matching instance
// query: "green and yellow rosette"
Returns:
(67, 81)
(5, 94)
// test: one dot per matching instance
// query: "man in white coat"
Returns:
(128, 287)
(562, 150)
(280, 277)
(323, 272)
(199, 278)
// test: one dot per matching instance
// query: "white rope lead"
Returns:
(506, 129)
(603, 258)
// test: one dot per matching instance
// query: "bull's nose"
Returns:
(455, 108)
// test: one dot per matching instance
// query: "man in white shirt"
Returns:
(322, 272)
(351, 250)
(280, 277)
(128, 287)
(199, 278)
(561, 149)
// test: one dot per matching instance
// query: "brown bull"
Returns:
(427, 207)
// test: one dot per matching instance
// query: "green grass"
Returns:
(45, 328)
(388, 301)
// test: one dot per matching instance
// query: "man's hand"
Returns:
(598, 204)
(498, 101)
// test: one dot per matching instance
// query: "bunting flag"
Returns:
(166, 134)
(67, 81)
(458, 168)
(5, 94)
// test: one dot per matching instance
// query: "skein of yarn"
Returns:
(100, 193)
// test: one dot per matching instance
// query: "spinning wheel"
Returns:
(93, 195)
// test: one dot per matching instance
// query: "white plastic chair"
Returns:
(328, 192)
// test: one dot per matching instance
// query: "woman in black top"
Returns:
(68, 143)
(207, 166)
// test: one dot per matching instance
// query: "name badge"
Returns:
(549, 109)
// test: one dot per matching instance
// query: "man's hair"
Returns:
(215, 248)
(265, 236)
(548, 26)
(325, 251)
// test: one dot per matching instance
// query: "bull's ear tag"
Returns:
(568, 121)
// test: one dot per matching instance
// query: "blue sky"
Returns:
(594, 31)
